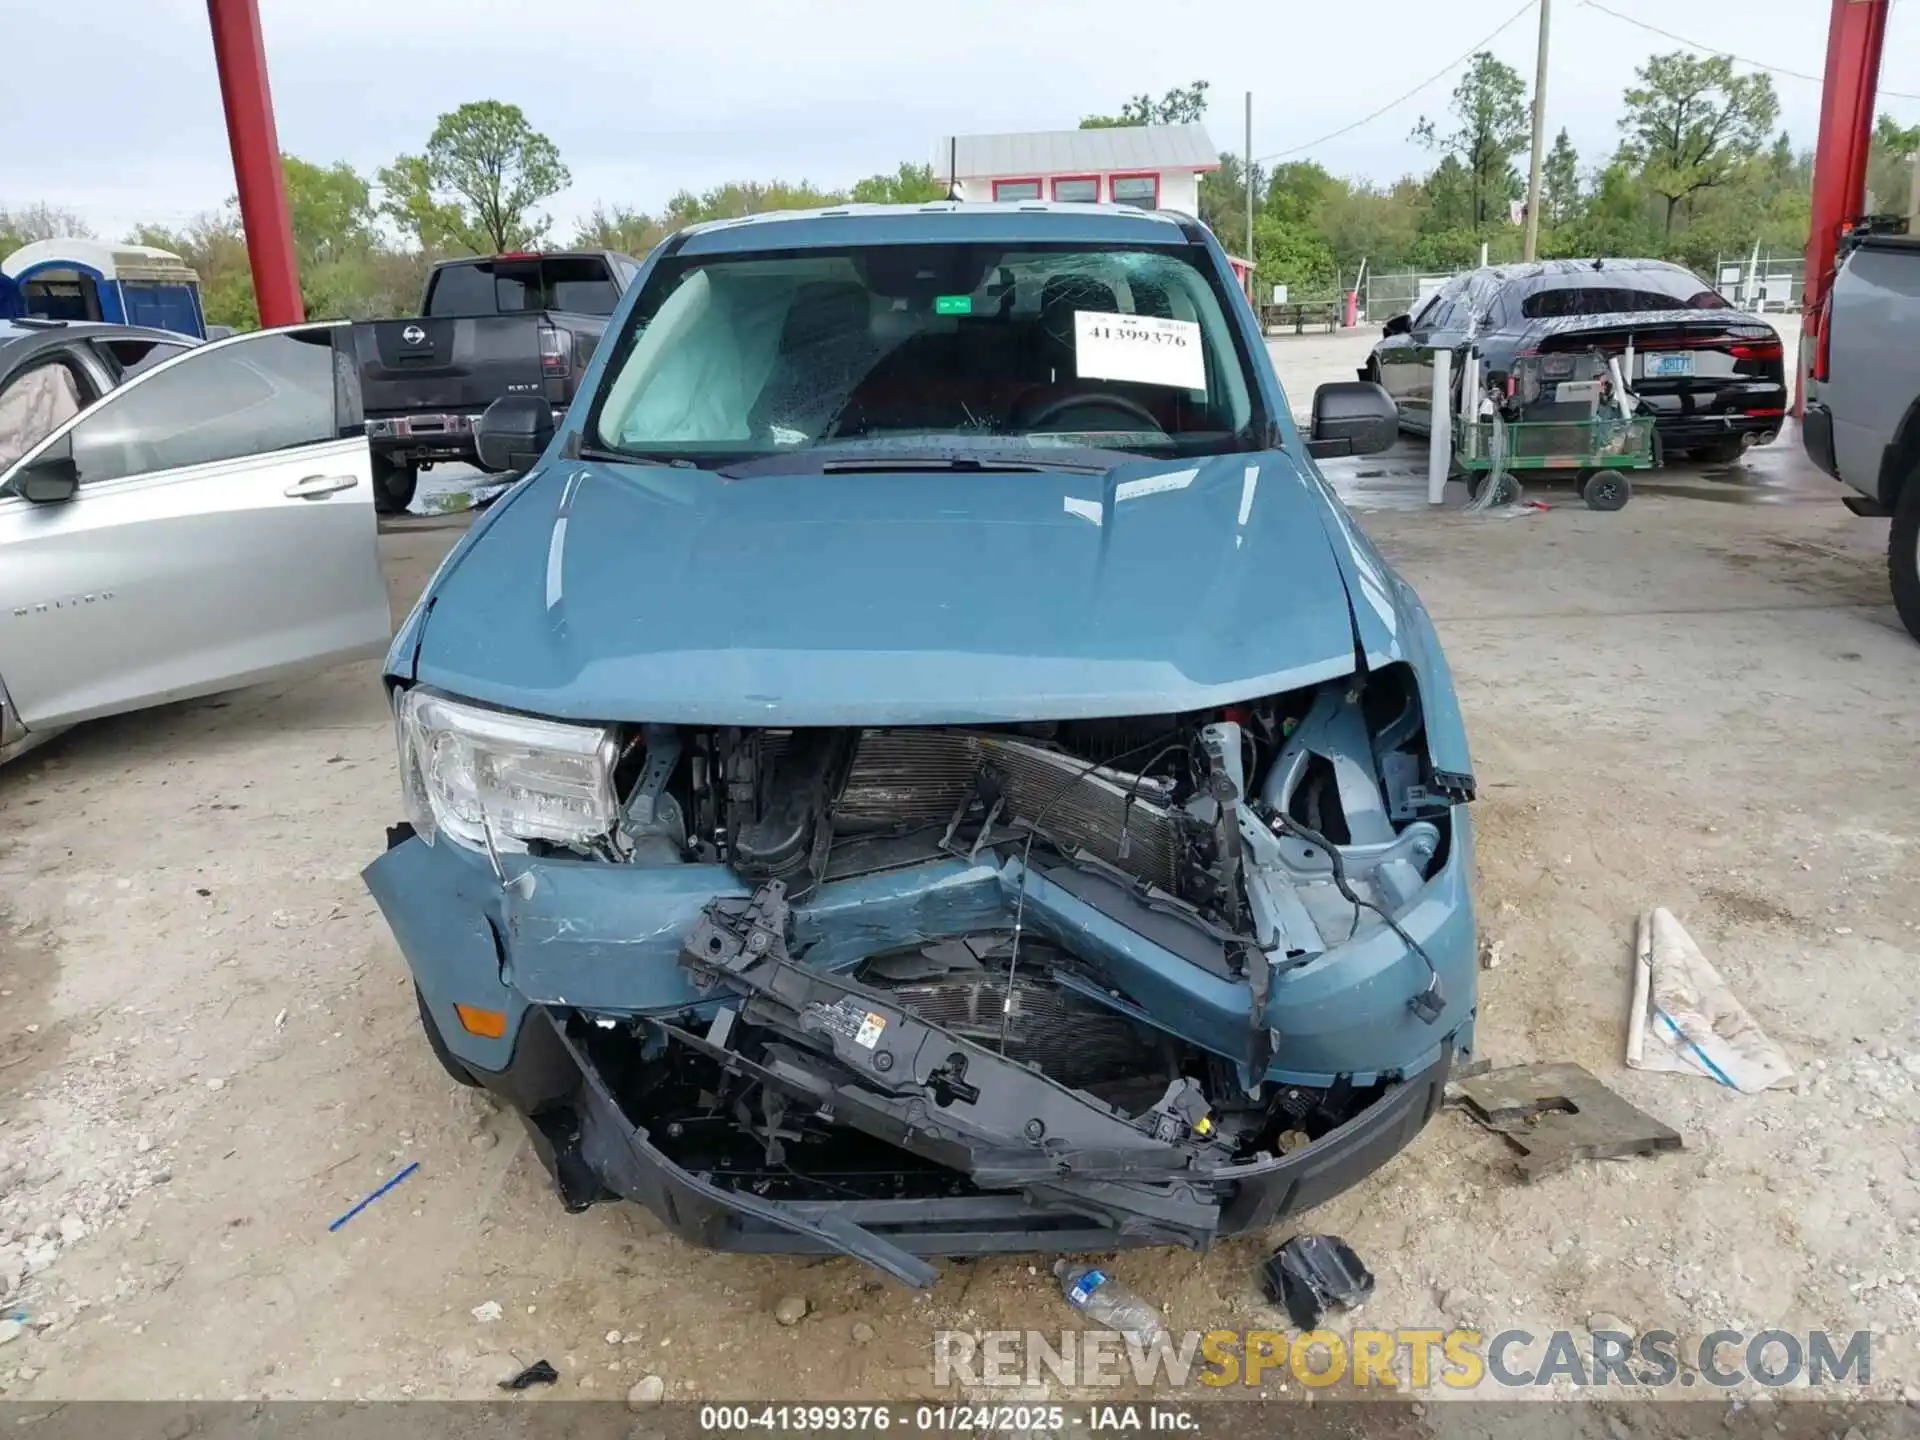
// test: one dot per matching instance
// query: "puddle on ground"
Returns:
(1729, 485)
(453, 489)
(452, 502)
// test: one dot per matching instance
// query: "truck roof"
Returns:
(941, 220)
(530, 255)
(1887, 242)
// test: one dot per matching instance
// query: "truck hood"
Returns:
(626, 592)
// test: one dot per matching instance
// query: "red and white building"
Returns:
(1152, 167)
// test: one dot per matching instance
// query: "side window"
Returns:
(465, 289)
(136, 357)
(1451, 313)
(583, 286)
(252, 397)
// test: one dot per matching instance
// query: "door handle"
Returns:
(313, 487)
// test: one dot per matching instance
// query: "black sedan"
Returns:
(1713, 377)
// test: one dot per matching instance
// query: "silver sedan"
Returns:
(207, 524)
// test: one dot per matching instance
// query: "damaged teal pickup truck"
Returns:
(923, 764)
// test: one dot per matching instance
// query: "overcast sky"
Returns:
(645, 99)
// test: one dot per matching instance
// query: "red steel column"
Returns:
(241, 56)
(1854, 39)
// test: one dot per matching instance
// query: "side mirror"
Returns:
(1352, 417)
(513, 433)
(1398, 325)
(52, 479)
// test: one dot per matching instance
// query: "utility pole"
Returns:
(1913, 195)
(240, 56)
(1248, 178)
(1539, 135)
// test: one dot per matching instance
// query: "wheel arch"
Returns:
(1901, 458)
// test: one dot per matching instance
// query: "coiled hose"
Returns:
(1498, 488)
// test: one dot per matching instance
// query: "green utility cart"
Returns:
(1600, 452)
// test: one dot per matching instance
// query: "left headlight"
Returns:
(466, 773)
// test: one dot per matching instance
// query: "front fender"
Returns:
(1390, 624)
(1440, 704)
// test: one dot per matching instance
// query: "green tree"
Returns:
(737, 198)
(621, 227)
(909, 185)
(1448, 198)
(1179, 106)
(1560, 182)
(1490, 109)
(345, 272)
(1890, 165)
(1372, 223)
(1297, 192)
(331, 208)
(1451, 249)
(1291, 255)
(1223, 200)
(1691, 123)
(433, 225)
(1617, 219)
(39, 221)
(484, 171)
(618, 227)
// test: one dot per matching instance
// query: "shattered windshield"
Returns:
(903, 347)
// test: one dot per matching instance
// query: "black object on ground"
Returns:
(1558, 1113)
(538, 1373)
(1310, 1273)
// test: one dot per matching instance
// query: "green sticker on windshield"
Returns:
(953, 304)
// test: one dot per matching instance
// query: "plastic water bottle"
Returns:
(1107, 1301)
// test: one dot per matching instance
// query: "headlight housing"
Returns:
(477, 775)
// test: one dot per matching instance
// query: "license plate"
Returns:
(1658, 365)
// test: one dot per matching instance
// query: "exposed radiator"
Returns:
(905, 777)
(1075, 1041)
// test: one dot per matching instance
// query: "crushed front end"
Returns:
(910, 991)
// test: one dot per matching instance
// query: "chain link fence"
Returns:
(1384, 296)
(1761, 283)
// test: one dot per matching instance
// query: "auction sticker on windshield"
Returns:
(1143, 348)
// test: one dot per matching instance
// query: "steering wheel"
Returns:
(1048, 415)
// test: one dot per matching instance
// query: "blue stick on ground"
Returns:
(411, 1167)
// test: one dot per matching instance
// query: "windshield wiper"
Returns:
(880, 462)
(970, 464)
(626, 457)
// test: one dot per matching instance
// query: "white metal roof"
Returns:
(143, 262)
(1077, 152)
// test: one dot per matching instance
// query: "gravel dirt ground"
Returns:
(208, 1046)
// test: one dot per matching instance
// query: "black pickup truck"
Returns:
(494, 325)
